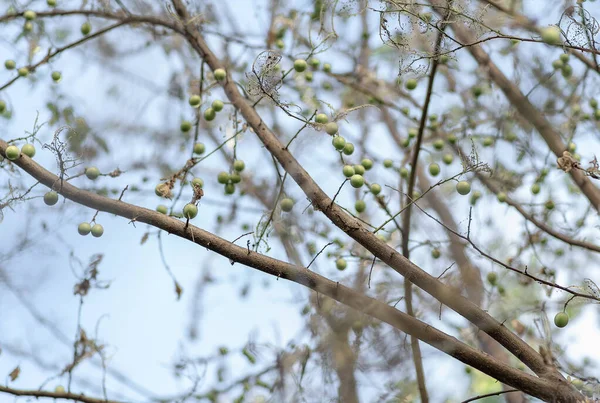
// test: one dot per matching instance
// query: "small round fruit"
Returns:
(348, 149)
(501, 197)
(327, 68)
(477, 91)
(341, 264)
(357, 181)
(10, 64)
(367, 163)
(314, 63)
(190, 211)
(199, 148)
(435, 253)
(29, 15)
(217, 105)
(557, 64)
(86, 28)
(308, 76)
(210, 114)
(286, 204)
(492, 278)
(348, 171)
(511, 136)
(448, 158)
(198, 182)
(463, 187)
(488, 141)
(593, 103)
(561, 319)
(452, 139)
(235, 177)
(549, 205)
(321, 118)
(51, 198)
(535, 188)
(23, 72)
(375, 188)
(300, 65)
(438, 144)
(229, 188)
(411, 84)
(220, 74)
(434, 169)
(195, 100)
(572, 147)
(551, 35)
(223, 177)
(56, 76)
(161, 208)
(388, 163)
(331, 128)
(2, 106)
(564, 58)
(359, 169)
(186, 126)
(404, 173)
(413, 132)
(339, 143)
(360, 206)
(239, 165)
(567, 71)
(12, 153)
(59, 388)
(97, 230)
(28, 26)
(92, 173)
(444, 59)
(476, 195)
(84, 228)
(52, 3)
(28, 150)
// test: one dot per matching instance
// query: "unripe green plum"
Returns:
(186, 126)
(229, 188)
(375, 188)
(476, 195)
(220, 74)
(367, 163)
(551, 35)
(84, 228)
(535, 188)
(561, 319)
(477, 91)
(360, 206)
(339, 143)
(359, 169)
(413, 132)
(357, 181)
(448, 158)
(463, 187)
(286, 204)
(210, 114)
(321, 118)
(2, 106)
(161, 208)
(564, 57)
(411, 84)
(86, 28)
(435, 253)
(217, 105)
(23, 72)
(341, 264)
(59, 388)
(327, 68)
(300, 65)
(348, 171)
(223, 177)
(501, 196)
(12, 153)
(557, 64)
(388, 163)
(190, 211)
(92, 173)
(97, 230)
(51, 198)
(235, 177)
(314, 63)
(198, 182)
(549, 205)
(239, 165)
(10, 64)
(195, 100)
(28, 150)
(452, 139)
(438, 144)
(348, 149)
(56, 76)
(29, 15)
(331, 128)
(199, 148)
(488, 141)
(404, 172)
(434, 169)
(492, 278)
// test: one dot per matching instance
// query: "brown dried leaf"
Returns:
(567, 162)
(14, 374)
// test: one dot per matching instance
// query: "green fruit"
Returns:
(367, 163)
(593, 103)
(435, 253)
(195, 100)
(339, 143)
(488, 141)
(210, 114)
(327, 68)
(199, 148)
(360, 206)
(92, 173)
(561, 319)
(300, 65)
(217, 105)
(12, 153)
(404, 172)
(438, 144)
(186, 126)
(411, 84)
(190, 211)
(331, 128)
(23, 72)
(413, 132)
(56, 76)
(308, 76)
(359, 169)
(477, 91)
(84, 228)
(434, 169)
(51, 198)
(341, 264)
(388, 163)
(549, 205)
(59, 388)
(28, 150)
(463, 187)
(229, 188)
(198, 182)
(444, 59)
(375, 188)
(557, 64)
(348, 171)
(511, 136)
(405, 142)
(572, 147)
(501, 197)
(321, 118)
(223, 177)
(492, 277)
(97, 230)
(220, 74)
(161, 208)
(567, 71)
(452, 139)
(348, 149)
(314, 63)
(10, 64)
(286, 204)
(535, 188)
(564, 57)
(86, 28)
(476, 195)
(2, 106)
(551, 35)
(448, 158)
(357, 181)
(29, 15)
(239, 165)
(235, 177)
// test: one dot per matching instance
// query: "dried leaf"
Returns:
(15, 373)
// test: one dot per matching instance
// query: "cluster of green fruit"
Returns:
(492, 278)
(85, 228)
(11, 65)
(300, 66)
(355, 174)
(230, 179)
(562, 64)
(13, 153)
